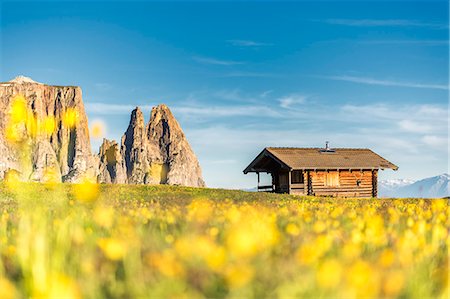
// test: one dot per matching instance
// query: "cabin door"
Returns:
(284, 182)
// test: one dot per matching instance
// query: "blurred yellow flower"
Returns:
(86, 191)
(12, 179)
(113, 248)
(48, 125)
(386, 258)
(166, 263)
(251, 235)
(70, 118)
(7, 289)
(97, 129)
(51, 177)
(363, 279)
(329, 274)
(292, 229)
(238, 276)
(13, 134)
(18, 110)
(104, 216)
(393, 283)
(61, 286)
(200, 210)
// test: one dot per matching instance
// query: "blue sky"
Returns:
(240, 76)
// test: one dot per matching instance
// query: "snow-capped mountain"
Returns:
(433, 187)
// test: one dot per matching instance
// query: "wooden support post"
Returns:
(374, 183)
(257, 187)
(289, 182)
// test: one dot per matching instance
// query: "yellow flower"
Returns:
(251, 235)
(238, 276)
(113, 249)
(363, 279)
(292, 229)
(61, 286)
(200, 210)
(18, 110)
(7, 289)
(51, 177)
(86, 191)
(97, 129)
(329, 274)
(48, 125)
(12, 179)
(32, 125)
(393, 284)
(104, 216)
(386, 258)
(166, 263)
(70, 118)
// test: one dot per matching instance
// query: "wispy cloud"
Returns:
(386, 23)
(215, 61)
(291, 100)
(227, 111)
(407, 42)
(250, 74)
(371, 81)
(435, 141)
(97, 108)
(246, 43)
(414, 126)
(103, 86)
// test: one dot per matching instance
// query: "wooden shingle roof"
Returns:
(317, 158)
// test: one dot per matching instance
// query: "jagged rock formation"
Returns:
(111, 164)
(44, 135)
(44, 129)
(177, 156)
(154, 154)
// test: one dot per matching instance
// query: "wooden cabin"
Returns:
(341, 172)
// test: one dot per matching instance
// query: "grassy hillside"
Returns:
(109, 241)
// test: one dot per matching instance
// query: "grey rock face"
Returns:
(177, 155)
(49, 131)
(159, 152)
(44, 136)
(111, 164)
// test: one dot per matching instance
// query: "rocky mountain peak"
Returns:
(22, 79)
(182, 164)
(44, 129)
(154, 154)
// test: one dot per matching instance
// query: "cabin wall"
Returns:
(347, 183)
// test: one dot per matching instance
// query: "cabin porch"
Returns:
(284, 181)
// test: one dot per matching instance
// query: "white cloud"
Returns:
(385, 23)
(97, 108)
(436, 141)
(407, 42)
(371, 81)
(214, 61)
(103, 86)
(415, 127)
(291, 100)
(250, 74)
(226, 111)
(246, 43)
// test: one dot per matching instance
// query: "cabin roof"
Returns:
(317, 159)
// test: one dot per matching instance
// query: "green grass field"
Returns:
(110, 241)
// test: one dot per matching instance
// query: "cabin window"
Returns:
(332, 179)
(297, 177)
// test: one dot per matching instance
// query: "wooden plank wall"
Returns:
(347, 184)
